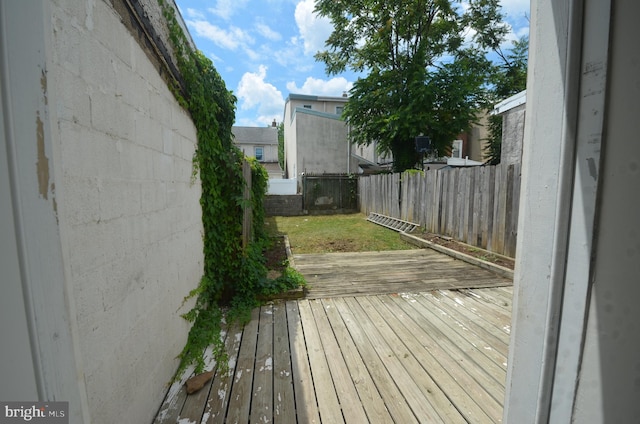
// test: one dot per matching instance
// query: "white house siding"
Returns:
(290, 143)
(574, 342)
(114, 167)
(609, 383)
(247, 139)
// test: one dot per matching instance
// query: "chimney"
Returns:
(273, 124)
(344, 94)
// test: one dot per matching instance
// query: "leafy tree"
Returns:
(509, 78)
(423, 78)
(281, 144)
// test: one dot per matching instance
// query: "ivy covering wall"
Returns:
(233, 275)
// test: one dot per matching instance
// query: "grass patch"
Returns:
(335, 233)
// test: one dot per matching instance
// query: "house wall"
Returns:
(609, 383)
(322, 144)
(317, 103)
(574, 347)
(108, 222)
(512, 135)
(294, 134)
(477, 140)
(248, 138)
(290, 144)
(369, 154)
(269, 152)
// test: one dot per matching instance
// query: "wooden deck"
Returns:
(424, 355)
(364, 273)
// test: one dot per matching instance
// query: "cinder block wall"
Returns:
(283, 205)
(129, 216)
(512, 135)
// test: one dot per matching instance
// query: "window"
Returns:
(456, 149)
(339, 110)
(259, 153)
(307, 106)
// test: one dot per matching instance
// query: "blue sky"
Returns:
(263, 49)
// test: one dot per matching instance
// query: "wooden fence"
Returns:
(476, 205)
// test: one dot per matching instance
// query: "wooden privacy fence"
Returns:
(330, 192)
(476, 205)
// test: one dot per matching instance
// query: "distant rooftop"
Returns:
(293, 96)
(255, 135)
(510, 102)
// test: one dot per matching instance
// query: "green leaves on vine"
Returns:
(231, 272)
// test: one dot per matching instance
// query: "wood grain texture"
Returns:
(385, 337)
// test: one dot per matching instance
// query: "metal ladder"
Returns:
(392, 223)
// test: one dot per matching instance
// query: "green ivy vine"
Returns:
(234, 276)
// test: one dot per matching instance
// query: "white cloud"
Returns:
(229, 38)
(315, 86)
(516, 9)
(314, 30)
(290, 56)
(226, 8)
(255, 93)
(194, 14)
(267, 32)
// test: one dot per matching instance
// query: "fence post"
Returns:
(247, 213)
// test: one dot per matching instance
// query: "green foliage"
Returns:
(493, 149)
(508, 78)
(281, 144)
(233, 275)
(289, 280)
(422, 79)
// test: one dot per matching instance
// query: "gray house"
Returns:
(513, 111)
(316, 138)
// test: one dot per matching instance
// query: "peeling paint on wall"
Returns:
(42, 165)
(43, 85)
(593, 171)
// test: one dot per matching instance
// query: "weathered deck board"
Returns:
(377, 350)
(366, 273)
(417, 382)
(328, 404)
(393, 398)
(452, 358)
(216, 409)
(441, 371)
(240, 400)
(284, 407)
(342, 381)
(306, 405)
(371, 399)
(262, 400)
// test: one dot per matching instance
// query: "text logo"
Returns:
(34, 412)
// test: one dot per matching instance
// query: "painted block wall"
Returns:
(322, 145)
(129, 215)
(512, 135)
